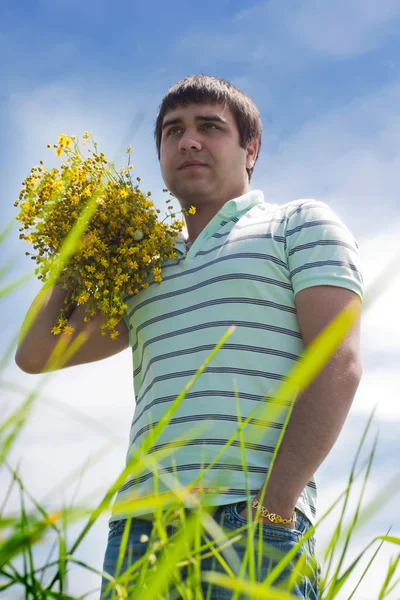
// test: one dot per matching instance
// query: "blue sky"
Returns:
(326, 79)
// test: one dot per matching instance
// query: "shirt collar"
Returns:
(242, 203)
(232, 208)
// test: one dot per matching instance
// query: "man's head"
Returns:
(228, 143)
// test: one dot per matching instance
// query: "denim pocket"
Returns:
(271, 544)
(271, 531)
(116, 528)
(284, 540)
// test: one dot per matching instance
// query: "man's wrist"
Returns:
(272, 517)
(279, 507)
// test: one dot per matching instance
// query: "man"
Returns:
(280, 274)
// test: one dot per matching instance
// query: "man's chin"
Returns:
(186, 192)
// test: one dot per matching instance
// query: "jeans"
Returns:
(276, 541)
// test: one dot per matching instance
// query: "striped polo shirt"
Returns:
(244, 269)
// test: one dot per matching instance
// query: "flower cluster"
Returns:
(124, 240)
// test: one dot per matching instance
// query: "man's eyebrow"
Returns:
(216, 118)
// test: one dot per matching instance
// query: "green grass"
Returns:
(23, 533)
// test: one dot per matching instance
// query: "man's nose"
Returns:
(189, 140)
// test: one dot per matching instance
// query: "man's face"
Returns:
(207, 133)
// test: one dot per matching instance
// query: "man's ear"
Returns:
(252, 152)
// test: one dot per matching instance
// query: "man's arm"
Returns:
(321, 410)
(36, 347)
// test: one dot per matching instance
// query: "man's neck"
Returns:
(204, 214)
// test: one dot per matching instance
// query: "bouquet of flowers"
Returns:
(124, 239)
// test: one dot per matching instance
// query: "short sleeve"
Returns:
(321, 250)
(126, 318)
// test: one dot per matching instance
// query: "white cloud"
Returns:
(380, 325)
(60, 107)
(343, 28)
(294, 35)
(252, 37)
(372, 583)
(377, 525)
(347, 158)
(332, 479)
(379, 387)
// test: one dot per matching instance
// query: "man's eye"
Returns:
(212, 124)
(174, 128)
(171, 130)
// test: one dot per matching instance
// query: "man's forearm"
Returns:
(39, 340)
(316, 421)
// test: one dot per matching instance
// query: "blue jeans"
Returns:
(276, 541)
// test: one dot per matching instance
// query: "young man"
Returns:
(280, 274)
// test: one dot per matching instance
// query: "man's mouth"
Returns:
(192, 167)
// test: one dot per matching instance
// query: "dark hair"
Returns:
(197, 89)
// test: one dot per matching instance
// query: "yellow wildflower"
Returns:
(69, 330)
(58, 186)
(157, 274)
(63, 140)
(51, 519)
(100, 271)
